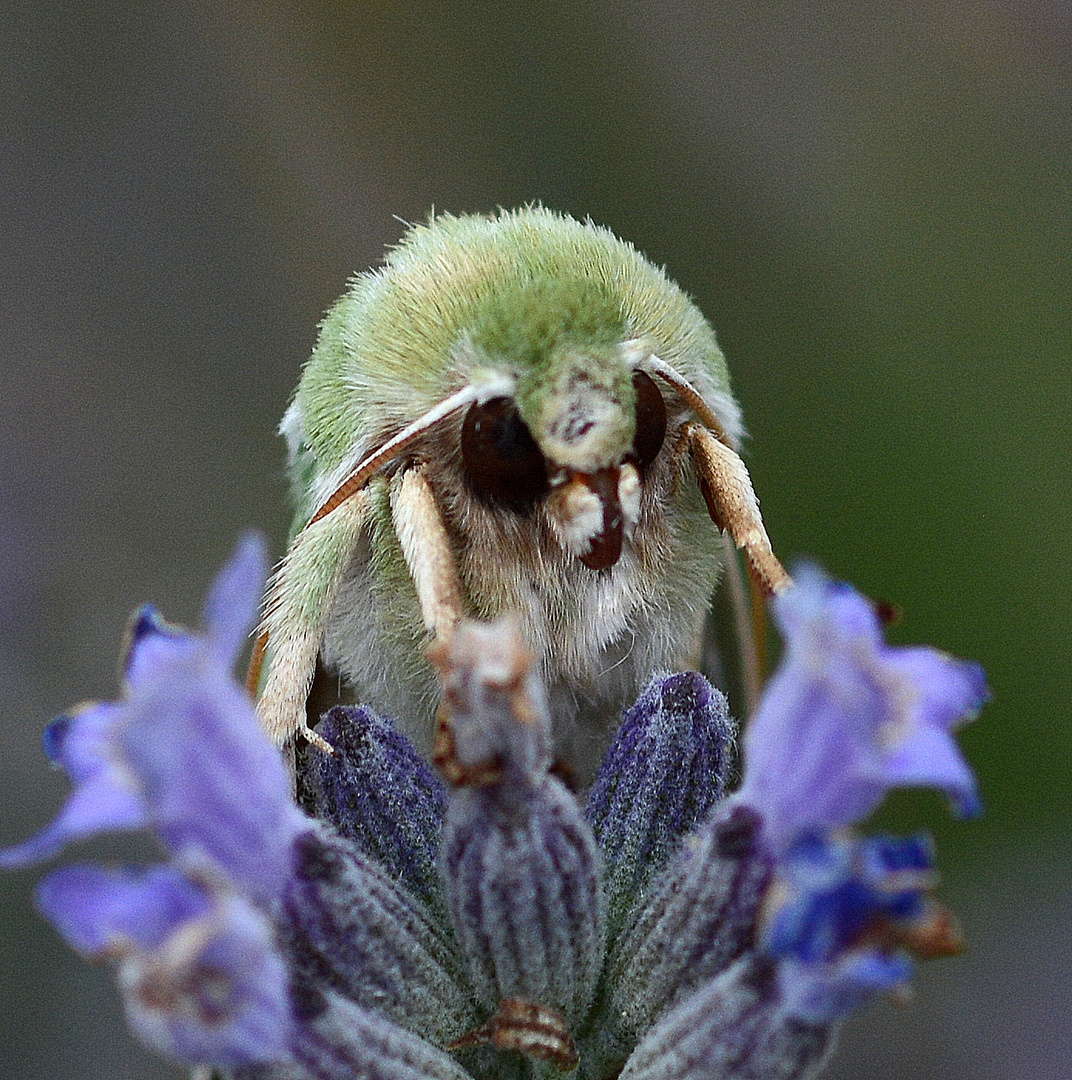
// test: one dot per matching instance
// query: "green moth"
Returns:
(517, 413)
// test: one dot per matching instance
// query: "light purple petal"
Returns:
(215, 993)
(234, 598)
(230, 612)
(149, 641)
(846, 717)
(950, 691)
(106, 795)
(97, 806)
(98, 910)
(214, 784)
(931, 759)
(821, 994)
(199, 971)
(83, 740)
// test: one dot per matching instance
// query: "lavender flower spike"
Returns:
(410, 932)
(847, 717)
(519, 863)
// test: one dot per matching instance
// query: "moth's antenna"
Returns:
(394, 446)
(691, 395)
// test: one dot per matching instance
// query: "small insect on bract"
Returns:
(516, 413)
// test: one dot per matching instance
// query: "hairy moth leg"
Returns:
(733, 506)
(427, 551)
(296, 607)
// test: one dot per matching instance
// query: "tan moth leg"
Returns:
(296, 607)
(426, 548)
(732, 504)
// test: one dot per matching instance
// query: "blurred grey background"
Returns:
(872, 203)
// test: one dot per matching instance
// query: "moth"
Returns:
(517, 413)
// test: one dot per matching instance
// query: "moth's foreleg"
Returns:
(426, 548)
(732, 504)
(299, 598)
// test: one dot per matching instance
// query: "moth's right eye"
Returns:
(502, 461)
(650, 420)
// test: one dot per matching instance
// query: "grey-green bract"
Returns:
(517, 412)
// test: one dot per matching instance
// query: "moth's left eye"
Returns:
(650, 420)
(502, 460)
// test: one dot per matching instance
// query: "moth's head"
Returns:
(581, 423)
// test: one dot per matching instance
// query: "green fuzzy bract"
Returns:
(508, 286)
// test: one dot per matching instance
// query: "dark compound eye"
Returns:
(650, 420)
(502, 461)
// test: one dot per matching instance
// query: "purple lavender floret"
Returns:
(106, 796)
(201, 978)
(216, 991)
(409, 932)
(663, 773)
(377, 791)
(839, 888)
(182, 752)
(97, 909)
(845, 718)
(840, 903)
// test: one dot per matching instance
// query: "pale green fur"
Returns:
(387, 350)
